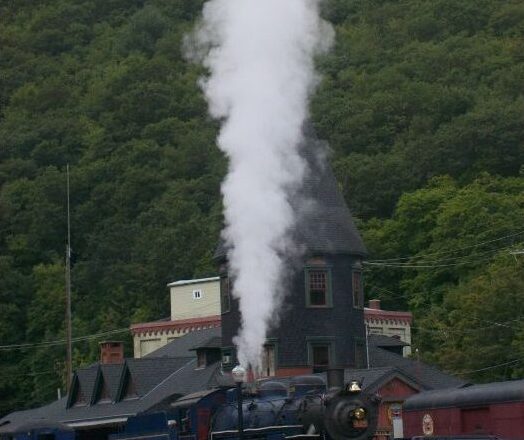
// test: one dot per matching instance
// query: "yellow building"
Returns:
(195, 305)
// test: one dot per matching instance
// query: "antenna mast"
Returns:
(68, 293)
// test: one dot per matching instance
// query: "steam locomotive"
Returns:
(300, 408)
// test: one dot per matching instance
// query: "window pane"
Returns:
(268, 360)
(201, 359)
(320, 355)
(317, 287)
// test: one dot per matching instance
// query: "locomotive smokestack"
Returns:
(335, 377)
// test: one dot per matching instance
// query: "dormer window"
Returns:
(228, 357)
(318, 287)
(208, 352)
(201, 359)
(80, 397)
(103, 393)
(129, 387)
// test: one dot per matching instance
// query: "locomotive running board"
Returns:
(257, 430)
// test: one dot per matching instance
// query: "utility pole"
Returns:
(69, 355)
(367, 345)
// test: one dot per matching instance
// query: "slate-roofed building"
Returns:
(103, 396)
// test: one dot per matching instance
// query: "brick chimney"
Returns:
(374, 304)
(111, 352)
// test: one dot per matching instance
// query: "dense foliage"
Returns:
(423, 106)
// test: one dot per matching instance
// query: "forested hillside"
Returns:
(421, 101)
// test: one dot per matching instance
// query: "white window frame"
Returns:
(198, 294)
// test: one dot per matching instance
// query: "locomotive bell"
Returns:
(353, 387)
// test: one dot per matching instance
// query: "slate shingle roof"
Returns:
(325, 223)
(386, 341)
(428, 376)
(184, 345)
(147, 373)
(213, 342)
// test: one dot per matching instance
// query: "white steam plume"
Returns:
(260, 57)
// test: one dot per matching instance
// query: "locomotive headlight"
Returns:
(359, 414)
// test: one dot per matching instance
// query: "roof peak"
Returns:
(324, 222)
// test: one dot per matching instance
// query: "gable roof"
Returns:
(428, 376)
(325, 224)
(374, 378)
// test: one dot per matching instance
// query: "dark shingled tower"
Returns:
(323, 319)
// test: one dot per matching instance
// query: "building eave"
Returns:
(177, 325)
(387, 315)
(195, 281)
(80, 423)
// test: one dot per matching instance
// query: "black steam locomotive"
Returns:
(298, 408)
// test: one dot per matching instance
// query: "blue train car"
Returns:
(189, 418)
(44, 430)
(157, 426)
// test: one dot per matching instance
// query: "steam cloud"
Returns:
(260, 57)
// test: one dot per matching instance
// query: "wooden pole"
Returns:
(69, 355)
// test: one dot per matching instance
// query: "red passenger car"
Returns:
(492, 409)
